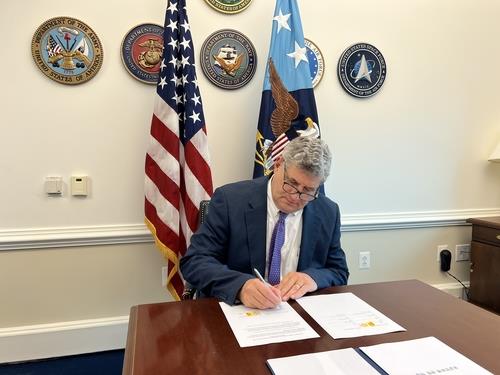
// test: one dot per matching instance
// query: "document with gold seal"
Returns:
(142, 52)
(67, 50)
(229, 6)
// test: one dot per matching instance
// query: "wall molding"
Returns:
(40, 238)
(417, 219)
(87, 336)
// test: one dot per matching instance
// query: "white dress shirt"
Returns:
(293, 235)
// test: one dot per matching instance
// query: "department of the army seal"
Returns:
(362, 70)
(142, 51)
(316, 62)
(67, 50)
(228, 59)
(229, 6)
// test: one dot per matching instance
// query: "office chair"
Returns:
(189, 291)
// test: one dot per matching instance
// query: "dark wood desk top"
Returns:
(491, 222)
(193, 337)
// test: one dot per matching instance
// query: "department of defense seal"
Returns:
(142, 51)
(67, 50)
(362, 70)
(229, 6)
(316, 62)
(228, 59)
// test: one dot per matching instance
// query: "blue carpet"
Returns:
(106, 363)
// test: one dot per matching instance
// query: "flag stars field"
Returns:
(185, 43)
(282, 20)
(172, 25)
(172, 8)
(299, 54)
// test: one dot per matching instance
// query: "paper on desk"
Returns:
(346, 315)
(338, 362)
(257, 327)
(421, 357)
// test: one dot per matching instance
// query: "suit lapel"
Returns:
(256, 223)
(310, 225)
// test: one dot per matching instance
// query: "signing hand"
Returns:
(295, 284)
(256, 294)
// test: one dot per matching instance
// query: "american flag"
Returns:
(178, 172)
(52, 47)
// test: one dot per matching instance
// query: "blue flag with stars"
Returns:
(287, 108)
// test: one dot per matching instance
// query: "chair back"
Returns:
(189, 291)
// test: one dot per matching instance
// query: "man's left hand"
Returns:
(295, 284)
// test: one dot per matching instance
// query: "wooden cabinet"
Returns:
(485, 263)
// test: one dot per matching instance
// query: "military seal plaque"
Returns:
(67, 50)
(316, 62)
(229, 6)
(362, 70)
(228, 59)
(142, 51)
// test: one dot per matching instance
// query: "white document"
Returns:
(421, 357)
(346, 315)
(338, 362)
(257, 327)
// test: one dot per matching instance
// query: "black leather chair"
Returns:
(189, 291)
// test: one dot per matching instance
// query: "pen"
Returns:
(259, 276)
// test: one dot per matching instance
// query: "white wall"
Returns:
(417, 149)
(420, 144)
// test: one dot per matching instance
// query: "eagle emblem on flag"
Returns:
(286, 124)
(287, 107)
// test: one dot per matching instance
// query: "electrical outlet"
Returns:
(164, 276)
(364, 260)
(439, 249)
(462, 252)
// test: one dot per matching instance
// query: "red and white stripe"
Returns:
(279, 145)
(178, 178)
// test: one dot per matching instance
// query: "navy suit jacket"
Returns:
(232, 241)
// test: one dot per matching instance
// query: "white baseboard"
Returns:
(63, 338)
(86, 336)
(455, 289)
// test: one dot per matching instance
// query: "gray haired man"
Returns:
(281, 226)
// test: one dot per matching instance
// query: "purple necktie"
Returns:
(277, 240)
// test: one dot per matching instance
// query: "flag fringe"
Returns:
(169, 255)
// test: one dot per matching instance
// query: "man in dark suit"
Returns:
(241, 233)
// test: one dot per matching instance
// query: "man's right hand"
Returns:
(256, 294)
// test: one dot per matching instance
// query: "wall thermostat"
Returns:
(79, 185)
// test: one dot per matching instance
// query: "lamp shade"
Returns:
(495, 156)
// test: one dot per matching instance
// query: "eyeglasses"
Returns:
(291, 189)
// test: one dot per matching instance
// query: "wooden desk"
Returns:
(193, 337)
(485, 263)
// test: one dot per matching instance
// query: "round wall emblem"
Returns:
(67, 50)
(316, 62)
(229, 6)
(142, 51)
(228, 59)
(362, 70)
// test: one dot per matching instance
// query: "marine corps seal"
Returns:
(67, 50)
(142, 51)
(362, 70)
(229, 6)
(228, 59)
